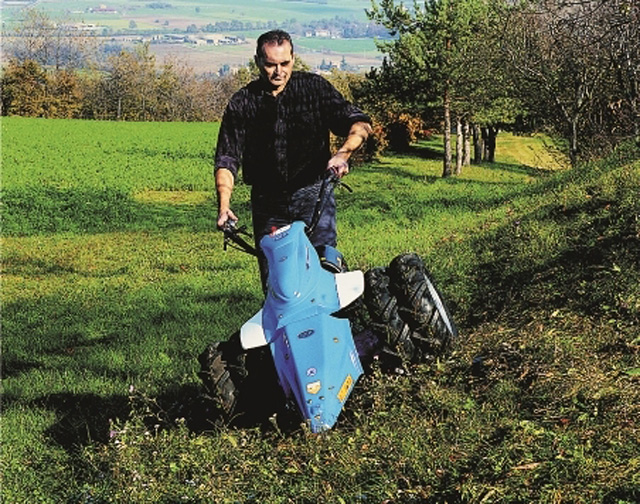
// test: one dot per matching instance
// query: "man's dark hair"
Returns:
(272, 37)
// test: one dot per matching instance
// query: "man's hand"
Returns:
(224, 216)
(339, 165)
(358, 134)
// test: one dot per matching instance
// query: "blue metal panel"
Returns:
(314, 353)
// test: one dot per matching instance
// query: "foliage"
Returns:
(395, 126)
(575, 66)
(101, 326)
(348, 85)
(441, 63)
(133, 87)
(60, 45)
(24, 89)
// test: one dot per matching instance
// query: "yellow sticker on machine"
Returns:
(346, 387)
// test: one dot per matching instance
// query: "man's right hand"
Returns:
(224, 216)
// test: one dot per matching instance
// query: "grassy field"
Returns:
(114, 280)
(361, 54)
(182, 13)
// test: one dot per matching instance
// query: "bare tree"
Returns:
(565, 54)
(51, 44)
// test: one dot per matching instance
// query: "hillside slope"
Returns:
(115, 279)
(538, 403)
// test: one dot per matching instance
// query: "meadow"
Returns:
(114, 280)
(178, 15)
(182, 13)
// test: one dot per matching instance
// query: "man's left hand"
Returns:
(338, 165)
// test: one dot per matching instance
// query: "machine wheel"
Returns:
(421, 304)
(222, 371)
(407, 311)
(382, 306)
(243, 384)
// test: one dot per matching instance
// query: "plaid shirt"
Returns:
(282, 142)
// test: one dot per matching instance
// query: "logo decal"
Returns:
(306, 334)
(280, 233)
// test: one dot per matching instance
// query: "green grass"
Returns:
(87, 155)
(209, 12)
(114, 280)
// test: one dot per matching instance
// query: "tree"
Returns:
(565, 55)
(623, 21)
(431, 52)
(384, 95)
(30, 90)
(66, 95)
(59, 45)
(24, 89)
(130, 85)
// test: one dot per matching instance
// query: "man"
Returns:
(277, 129)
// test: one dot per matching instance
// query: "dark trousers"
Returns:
(272, 210)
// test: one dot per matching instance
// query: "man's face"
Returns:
(276, 65)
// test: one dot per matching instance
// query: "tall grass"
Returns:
(112, 286)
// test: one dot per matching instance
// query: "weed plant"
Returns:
(114, 280)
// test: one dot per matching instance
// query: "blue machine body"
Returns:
(313, 351)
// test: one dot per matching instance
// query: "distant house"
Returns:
(17, 2)
(174, 38)
(102, 9)
(322, 33)
(86, 27)
(231, 40)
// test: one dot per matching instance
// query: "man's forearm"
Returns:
(358, 135)
(224, 188)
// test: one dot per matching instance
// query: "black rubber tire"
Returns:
(407, 310)
(223, 371)
(421, 303)
(242, 383)
(382, 306)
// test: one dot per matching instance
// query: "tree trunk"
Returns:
(477, 144)
(466, 133)
(446, 171)
(490, 144)
(459, 146)
(573, 149)
(485, 143)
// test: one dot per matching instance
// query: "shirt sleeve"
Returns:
(231, 137)
(342, 114)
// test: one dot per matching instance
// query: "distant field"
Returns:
(360, 54)
(184, 12)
